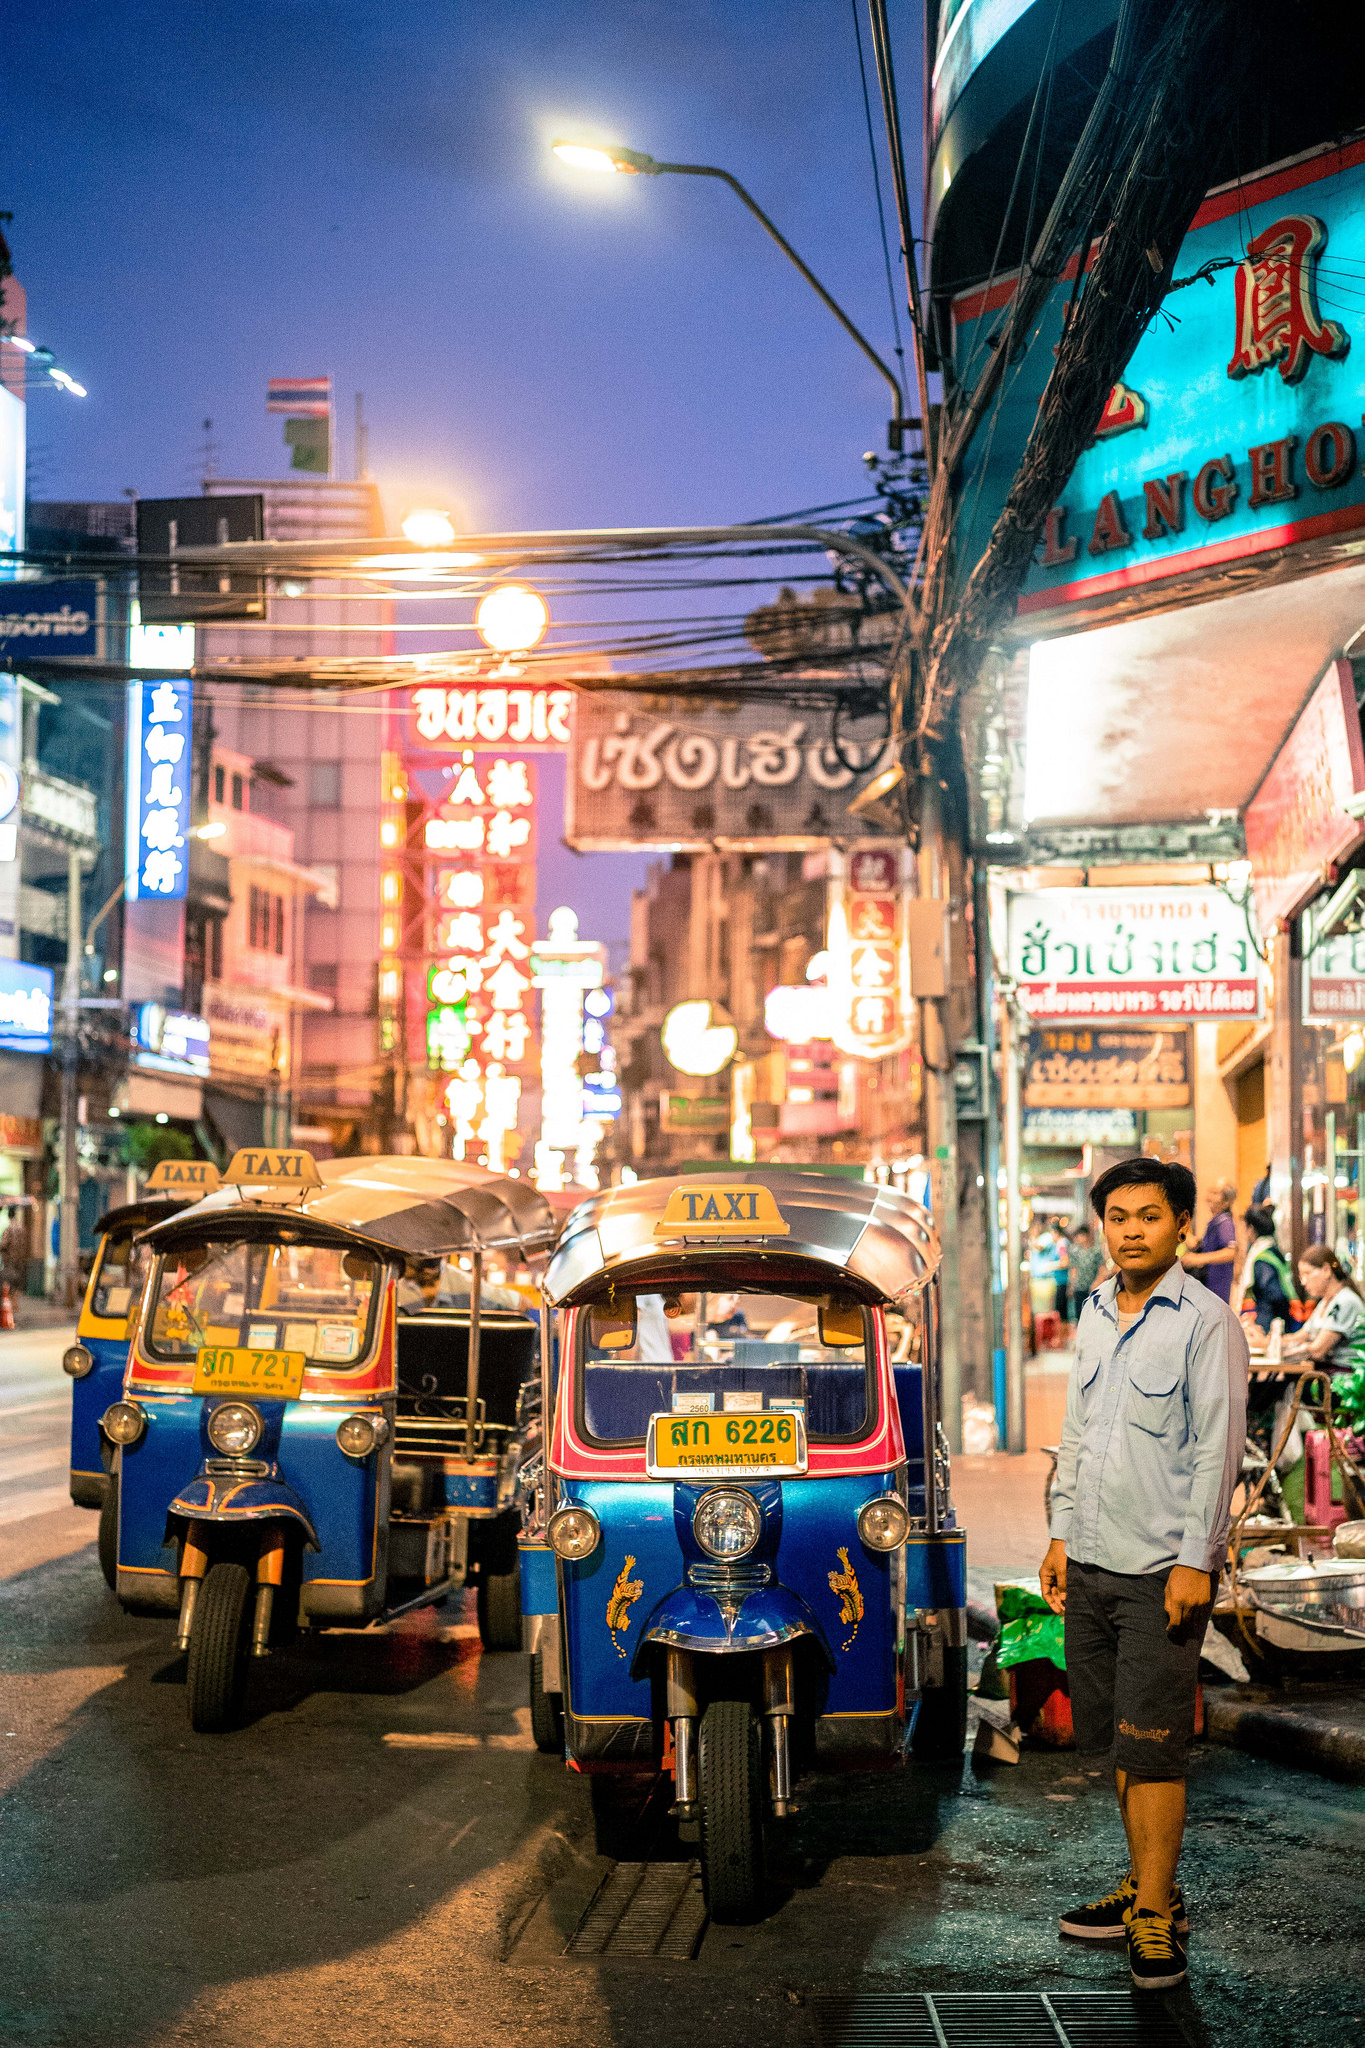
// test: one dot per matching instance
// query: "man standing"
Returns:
(1151, 1452)
(1216, 1257)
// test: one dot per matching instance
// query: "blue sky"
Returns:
(208, 196)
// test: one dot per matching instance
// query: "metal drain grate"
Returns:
(644, 1909)
(995, 2019)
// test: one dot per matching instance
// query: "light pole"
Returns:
(581, 156)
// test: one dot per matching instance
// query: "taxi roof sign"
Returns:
(715, 1210)
(261, 1163)
(183, 1177)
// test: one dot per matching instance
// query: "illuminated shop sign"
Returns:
(870, 1010)
(1301, 819)
(1236, 427)
(157, 822)
(1083, 1067)
(1153, 955)
(48, 618)
(1335, 981)
(170, 1041)
(490, 715)
(25, 1007)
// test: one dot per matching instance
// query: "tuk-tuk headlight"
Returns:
(884, 1523)
(573, 1532)
(727, 1524)
(358, 1435)
(235, 1428)
(78, 1361)
(124, 1422)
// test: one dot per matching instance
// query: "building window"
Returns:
(238, 793)
(265, 921)
(324, 785)
(219, 782)
(215, 945)
(322, 976)
(279, 924)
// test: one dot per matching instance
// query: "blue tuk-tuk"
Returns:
(97, 1359)
(312, 1434)
(741, 1562)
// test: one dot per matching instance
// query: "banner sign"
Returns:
(1297, 822)
(48, 618)
(157, 822)
(870, 1010)
(1334, 984)
(1087, 1069)
(25, 1007)
(1155, 955)
(1115, 1128)
(489, 715)
(674, 773)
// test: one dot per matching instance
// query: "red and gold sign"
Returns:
(869, 954)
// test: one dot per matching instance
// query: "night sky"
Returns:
(208, 196)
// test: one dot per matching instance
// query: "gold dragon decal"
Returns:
(622, 1598)
(845, 1584)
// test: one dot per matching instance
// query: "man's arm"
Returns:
(1052, 1574)
(1217, 1390)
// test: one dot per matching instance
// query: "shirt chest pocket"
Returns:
(1156, 1400)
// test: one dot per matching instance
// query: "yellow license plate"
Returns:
(714, 1446)
(227, 1369)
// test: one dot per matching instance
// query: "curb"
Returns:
(1334, 1748)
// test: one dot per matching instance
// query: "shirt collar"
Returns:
(1170, 1287)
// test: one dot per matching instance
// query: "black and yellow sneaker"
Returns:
(1156, 1953)
(1107, 1919)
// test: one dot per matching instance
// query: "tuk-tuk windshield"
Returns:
(118, 1282)
(739, 1352)
(265, 1297)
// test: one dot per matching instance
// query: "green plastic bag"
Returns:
(1031, 1636)
(1348, 1399)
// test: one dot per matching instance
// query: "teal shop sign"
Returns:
(1237, 426)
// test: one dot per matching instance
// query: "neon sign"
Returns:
(160, 719)
(490, 715)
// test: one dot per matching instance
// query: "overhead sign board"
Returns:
(1114, 1128)
(174, 592)
(1334, 980)
(673, 773)
(1298, 822)
(1082, 1066)
(157, 789)
(25, 1007)
(1158, 956)
(489, 714)
(49, 618)
(170, 1041)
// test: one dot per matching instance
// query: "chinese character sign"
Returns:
(1277, 312)
(1153, 954)
(157, 818)
(869, 954)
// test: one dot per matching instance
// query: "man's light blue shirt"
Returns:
(1155, 1430)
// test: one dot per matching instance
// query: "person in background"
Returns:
(1061, 1245)
(1265, 1290)
(1334, 1334)
(1087, 1263)
(1216, 1255)
(1042, 1270)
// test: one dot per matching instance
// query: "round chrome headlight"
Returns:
(234, 1428)
(727, 1524)
(358, 1435)
(884, 1523)
(123, 1423)
(573, 1532)
(78, 1361)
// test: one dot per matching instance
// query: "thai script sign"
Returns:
(1236, 428)
(1298, 822)
(1159, 955)
(48, 618)
(490, 715)
(1116, 1128)
(1334, 985)
(1086, 1068)
(160, 721)
(669, 772)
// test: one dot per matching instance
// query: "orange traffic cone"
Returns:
(6, 1307)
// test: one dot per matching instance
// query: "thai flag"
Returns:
(304, 397)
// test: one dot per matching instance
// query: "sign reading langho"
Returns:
(1157, 955)
(666, 771)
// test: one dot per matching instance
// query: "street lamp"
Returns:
(612, 159)
(429, 529)
(512, 619)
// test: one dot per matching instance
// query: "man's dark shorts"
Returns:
(1132, 1687)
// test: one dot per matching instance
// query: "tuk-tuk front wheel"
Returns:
(730, 1809)
(547, 1712)
(219, 1639)
(499, 1609)
(108, 1540)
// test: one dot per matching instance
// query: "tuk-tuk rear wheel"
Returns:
(108, 1540)
(218, 1647)
(547, 1713)
(499, 1609)
(730, 1809)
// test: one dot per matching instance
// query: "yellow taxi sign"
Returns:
(183, 1177)
(715, 1210)
(262, 1163)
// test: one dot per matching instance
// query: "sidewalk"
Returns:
(1315, 1726)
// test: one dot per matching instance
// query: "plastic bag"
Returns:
(1030, 1636)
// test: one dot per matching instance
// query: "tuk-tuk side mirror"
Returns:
(612, 1329)
(841, 1324)
(356, 1266)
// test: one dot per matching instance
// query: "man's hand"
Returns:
(1189, 1596)
(1052, 1576)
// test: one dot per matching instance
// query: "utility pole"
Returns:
(940, 1094)
(69, 1231)
(1014, 1302)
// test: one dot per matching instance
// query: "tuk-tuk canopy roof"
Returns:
(138, 1215)
(880, 1239)
(421, 1208)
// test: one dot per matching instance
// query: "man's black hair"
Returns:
(1175, 1181)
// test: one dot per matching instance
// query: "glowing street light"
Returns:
(605, 159)
(428, 528)
(512, 619)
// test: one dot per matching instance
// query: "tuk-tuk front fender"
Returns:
(690, 1618)
(226, 1498)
